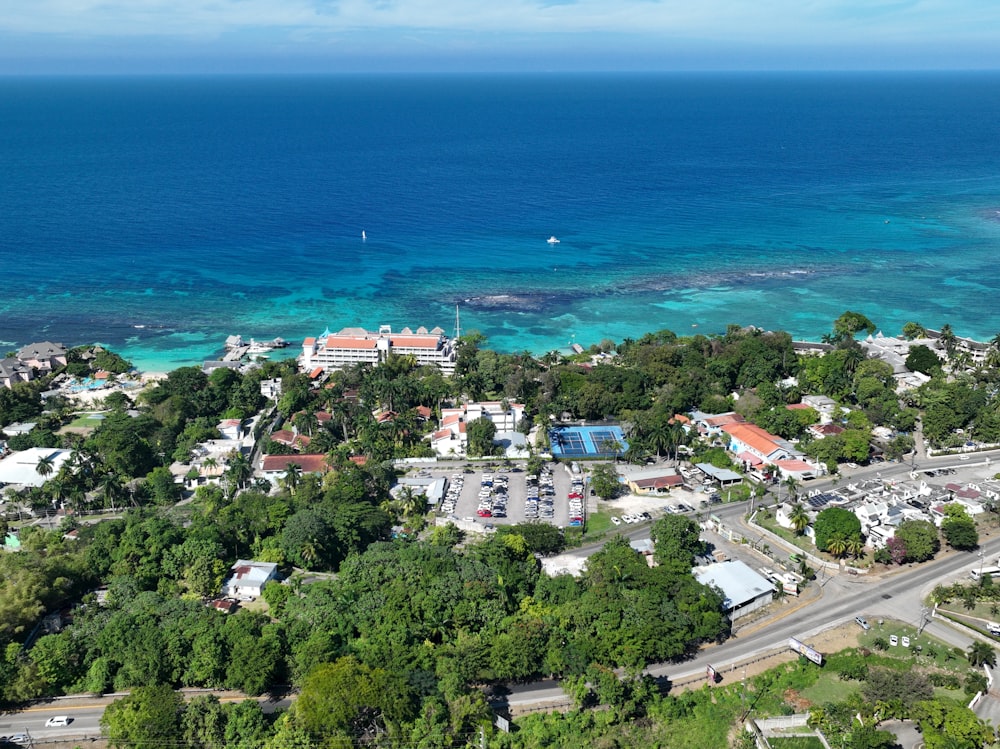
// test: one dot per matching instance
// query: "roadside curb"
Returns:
(798, 606)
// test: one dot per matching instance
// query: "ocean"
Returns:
(160, 214)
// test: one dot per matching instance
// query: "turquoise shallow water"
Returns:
(160, 215)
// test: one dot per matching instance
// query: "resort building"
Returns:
(332, 351)
(45, 356)
(13, 371)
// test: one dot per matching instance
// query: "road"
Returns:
(85, 715)
(897, 596)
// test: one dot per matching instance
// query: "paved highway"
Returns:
(85, 716)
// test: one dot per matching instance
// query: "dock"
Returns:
(236, 353)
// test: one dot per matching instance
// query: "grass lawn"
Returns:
(796, 742)
(933, 652)
(86, 421)
(598, 523)
(830, 688)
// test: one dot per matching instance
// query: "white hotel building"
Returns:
(357, 345)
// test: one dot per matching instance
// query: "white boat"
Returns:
(363, 235)
(257, 347)
(552, 240)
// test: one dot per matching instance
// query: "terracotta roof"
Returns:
(349, 343)
(359, 460)
(681, 418)
(308, 463)
(423, 412)
(441, 434)
(451, 419)
(797, 406)
(309, 342)
(660, 482)
(315, 373)
(288, 437)
(750, 458)
(753, 436)
(415, 341)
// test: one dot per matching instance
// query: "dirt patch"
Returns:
(796, 701)
(830, 641)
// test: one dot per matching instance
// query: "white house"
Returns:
(248, 579)
(451, 438)
(230, 429)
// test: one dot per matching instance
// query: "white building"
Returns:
(451, 438)
(21, 468)
(332, 351)
(744, 590)
(248, 579)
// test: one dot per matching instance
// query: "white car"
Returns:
(616, 521)
(57, 721)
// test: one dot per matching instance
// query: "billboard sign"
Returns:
(802, 649)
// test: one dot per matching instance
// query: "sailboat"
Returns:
(552, 240)
(363, 235)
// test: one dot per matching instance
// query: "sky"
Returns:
(328, 36)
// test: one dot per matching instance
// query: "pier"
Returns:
(236, 353)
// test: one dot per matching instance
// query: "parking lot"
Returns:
(510, 496)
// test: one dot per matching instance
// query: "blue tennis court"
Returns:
(587, 442)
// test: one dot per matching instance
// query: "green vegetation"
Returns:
(400, 644)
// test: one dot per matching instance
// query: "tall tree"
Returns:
(148, 718)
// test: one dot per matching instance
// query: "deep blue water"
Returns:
(200, 207)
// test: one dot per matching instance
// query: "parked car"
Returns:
(863, 623)
(616, 521)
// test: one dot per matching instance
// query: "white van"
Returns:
(993, 628)
(993, 572)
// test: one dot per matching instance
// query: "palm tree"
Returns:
(855, 547)
(45, 466)
(837, 546)
(947, 339)
(791, 483)
(239, 469)
(799, 519)
(112, 488)
(293, 472)
(410, 503)
(980, 654)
